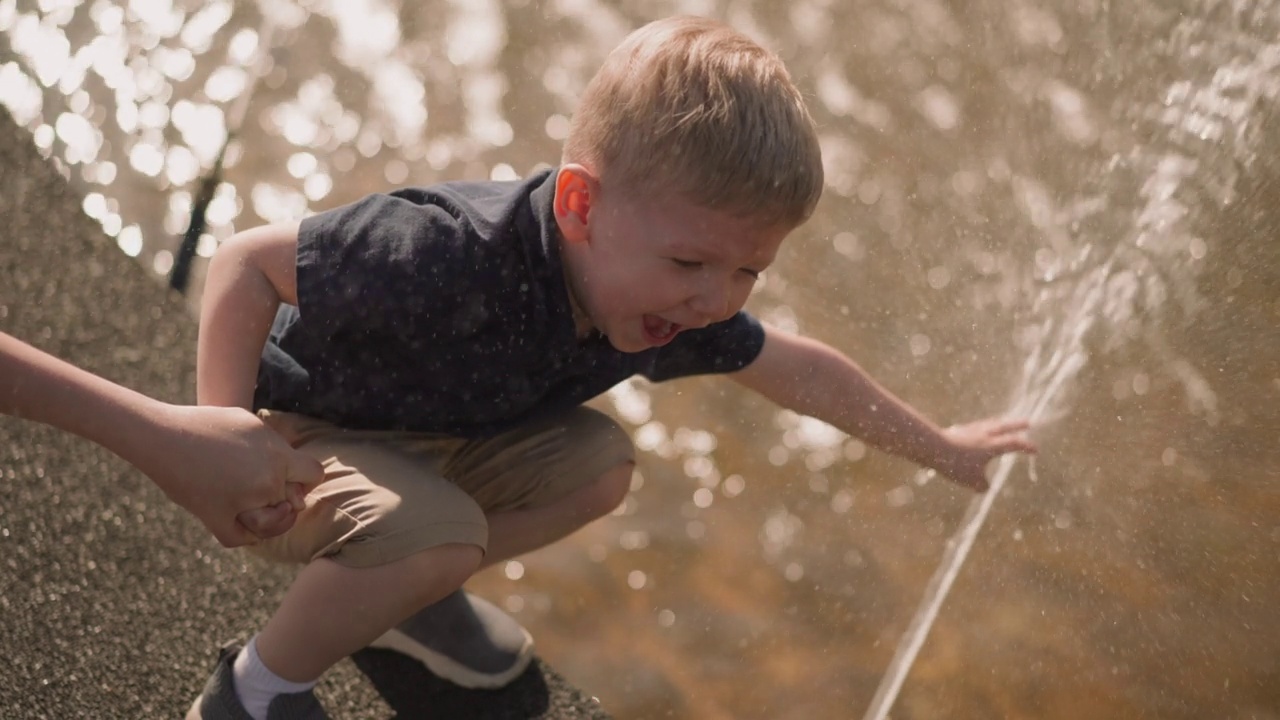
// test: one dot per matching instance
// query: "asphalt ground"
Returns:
(115, 601)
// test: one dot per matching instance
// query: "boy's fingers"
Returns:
(296, 495)
(305, 470)
(1008, 426)
(1020, 443)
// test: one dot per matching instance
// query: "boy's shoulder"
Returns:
(465, 213)
(466, 245)
(477, 204)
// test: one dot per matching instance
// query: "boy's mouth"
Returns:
(659, 332)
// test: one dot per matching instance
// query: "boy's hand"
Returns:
(236, 475)
(976, 444)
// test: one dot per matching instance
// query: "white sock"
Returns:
(256, 685)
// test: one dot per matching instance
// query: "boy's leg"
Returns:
(332, 610)
(383, 536)
(539, 483)
(328, 613)
(516, 532)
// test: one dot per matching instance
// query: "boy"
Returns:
(222, 465)
(437, 345)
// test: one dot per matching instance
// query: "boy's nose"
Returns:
(711, 303)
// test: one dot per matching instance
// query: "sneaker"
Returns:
(464, 639)
(219, 701)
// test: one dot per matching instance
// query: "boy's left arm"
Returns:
(814, 379)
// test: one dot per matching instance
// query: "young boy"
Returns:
(222, 465)
(437, 345)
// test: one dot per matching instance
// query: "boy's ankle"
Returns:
(256, 685)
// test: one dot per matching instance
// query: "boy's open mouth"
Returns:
(659, 332)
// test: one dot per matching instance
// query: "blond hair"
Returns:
(691, 106)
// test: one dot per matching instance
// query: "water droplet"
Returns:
(869, 192)
(733, 485)
(920, 344)
(634, 540)
(778, 456)
(898, 497)
(1141, 384)
(702, 497)
(841, 502)
(848, 245)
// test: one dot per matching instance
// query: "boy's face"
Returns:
(643, 270)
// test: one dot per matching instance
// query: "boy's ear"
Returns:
(575, 189)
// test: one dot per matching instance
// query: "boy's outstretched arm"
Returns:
(814, 379)
(220, 464)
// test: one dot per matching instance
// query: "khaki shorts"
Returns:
(388, 495)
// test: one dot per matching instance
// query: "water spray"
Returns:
(1044, 378)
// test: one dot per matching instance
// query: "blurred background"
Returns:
(1059, 207)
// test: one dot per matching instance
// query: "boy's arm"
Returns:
(814, 379)
(221, 464)
(248, 278)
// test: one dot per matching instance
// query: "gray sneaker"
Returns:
(219, 701)
(464, 639)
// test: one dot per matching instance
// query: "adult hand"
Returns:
(236, 475)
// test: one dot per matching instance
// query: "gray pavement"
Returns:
(114, 601)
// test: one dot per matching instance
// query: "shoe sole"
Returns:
(450, 669)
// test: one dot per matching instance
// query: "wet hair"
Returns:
(689, 106)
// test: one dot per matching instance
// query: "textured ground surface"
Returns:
(114, 601)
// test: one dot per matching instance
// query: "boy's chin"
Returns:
(627, 347)
(621, 343)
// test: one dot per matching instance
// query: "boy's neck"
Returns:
(582, 324)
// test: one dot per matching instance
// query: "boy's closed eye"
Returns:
(696, 264)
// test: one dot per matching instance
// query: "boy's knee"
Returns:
(440, 570)
(463, 560)
(607, 492)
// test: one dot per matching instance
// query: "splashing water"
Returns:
(1151, 261)
(1042, 386)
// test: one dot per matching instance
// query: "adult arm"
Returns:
(814, 379)
(220, 464)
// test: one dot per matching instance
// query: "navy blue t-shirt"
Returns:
(445, 309)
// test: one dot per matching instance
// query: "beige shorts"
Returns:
(388, 495)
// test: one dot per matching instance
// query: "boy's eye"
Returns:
(691, 264)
